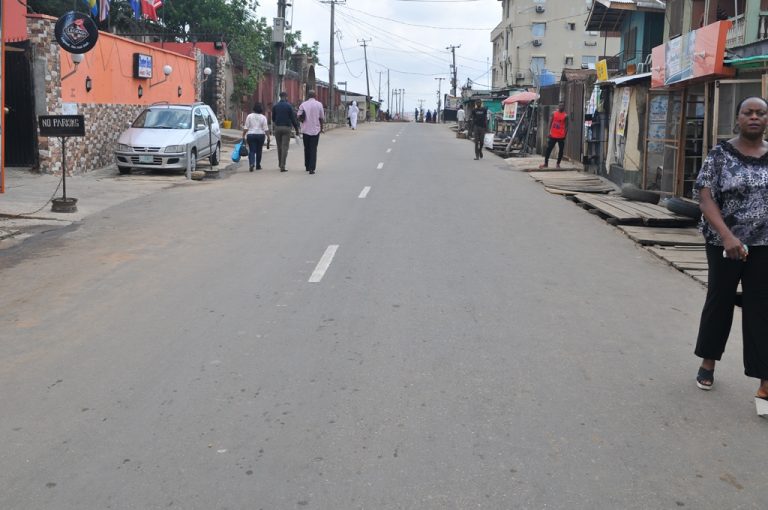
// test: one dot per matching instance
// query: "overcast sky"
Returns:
(408, 37)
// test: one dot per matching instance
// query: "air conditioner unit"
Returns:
(537, 42)
(540, 9)
(519, 76)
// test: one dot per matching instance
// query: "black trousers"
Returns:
(310, 151)
(479, 138)
(716, 317)
(551, 145)
(255, 146)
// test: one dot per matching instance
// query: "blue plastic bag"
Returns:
(236, 152)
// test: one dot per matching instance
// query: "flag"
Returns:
(136, 6)
(149, 8)
(104, 10)
(94, 5)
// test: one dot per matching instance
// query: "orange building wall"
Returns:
(110, 66)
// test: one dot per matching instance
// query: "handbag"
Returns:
(236, 151)
(243, 149)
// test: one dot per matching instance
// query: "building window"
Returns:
(569, 60)
(538, 29)
(588, 61)
(538, 64)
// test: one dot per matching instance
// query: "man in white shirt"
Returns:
(460, 116)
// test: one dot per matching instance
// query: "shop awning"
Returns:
(755, 62)
(608, 15)
(626, 79)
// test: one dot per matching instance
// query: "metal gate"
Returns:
(574, 106)
(210, 90)
(20, 134)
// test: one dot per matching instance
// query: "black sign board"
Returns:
(76, 32)
(61, 125)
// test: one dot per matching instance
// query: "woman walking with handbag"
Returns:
(255, 131)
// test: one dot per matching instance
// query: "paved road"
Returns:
(473, 343)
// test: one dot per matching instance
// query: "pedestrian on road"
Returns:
(312, 117)
(352, 114)
(558, 129)
(255, 131)
(460, 117)
(479, 125)
(732, 188)
(283, 123)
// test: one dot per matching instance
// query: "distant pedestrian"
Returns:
(352, 114)
(255, 131)
(428, 116)
(558, 129)
(460, 117)
(283, 123)
(312, 117)
(732, 188)
(479, 126)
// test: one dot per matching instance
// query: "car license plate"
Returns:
(146, 159)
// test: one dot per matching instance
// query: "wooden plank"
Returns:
(681, 256)
(600, 203)
(663, 236)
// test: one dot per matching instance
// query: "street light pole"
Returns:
(439, 84)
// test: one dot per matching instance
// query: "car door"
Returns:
(202, 133)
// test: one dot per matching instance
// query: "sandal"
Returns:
(705, 379)
(761, 404)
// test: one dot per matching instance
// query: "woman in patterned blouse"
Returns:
(732, 187)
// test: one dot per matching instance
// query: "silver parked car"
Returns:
(164, 134)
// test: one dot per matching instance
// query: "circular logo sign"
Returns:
(76, 32)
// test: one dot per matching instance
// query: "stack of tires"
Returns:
(680, 206)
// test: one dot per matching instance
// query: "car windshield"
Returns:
(164, 118)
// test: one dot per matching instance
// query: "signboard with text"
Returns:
(697, 54)
(61, 125)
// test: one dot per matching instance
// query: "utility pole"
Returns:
(367, 82)
(403, 103)
(331, 73)
(453, 68)
(278, 40)
(439, 88)
(380, 109)
(389, 98)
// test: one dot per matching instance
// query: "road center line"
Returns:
(379, 166)
(324, 264)
(394, 141)
(389, 150)
(365, 191)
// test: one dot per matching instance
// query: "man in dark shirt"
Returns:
(479, 124)
(283, 119)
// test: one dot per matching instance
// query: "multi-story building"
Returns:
(540, 38)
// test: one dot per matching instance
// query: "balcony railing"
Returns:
(737, 35)
(736, 32)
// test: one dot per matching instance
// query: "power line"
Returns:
(417, 25)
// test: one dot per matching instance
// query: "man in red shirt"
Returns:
(558, 129)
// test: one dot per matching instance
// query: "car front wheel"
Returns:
(214, 159)
(124, 170)
(193, 160)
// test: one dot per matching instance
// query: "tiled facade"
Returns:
(103, 122)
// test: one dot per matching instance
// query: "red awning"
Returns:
(14, 21)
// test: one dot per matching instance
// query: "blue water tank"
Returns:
(547, 78)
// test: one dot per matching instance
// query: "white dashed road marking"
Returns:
(324, 264)
(365, 191)
(389, 150)
(379, 166)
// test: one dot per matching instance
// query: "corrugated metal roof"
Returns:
(626, 79)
